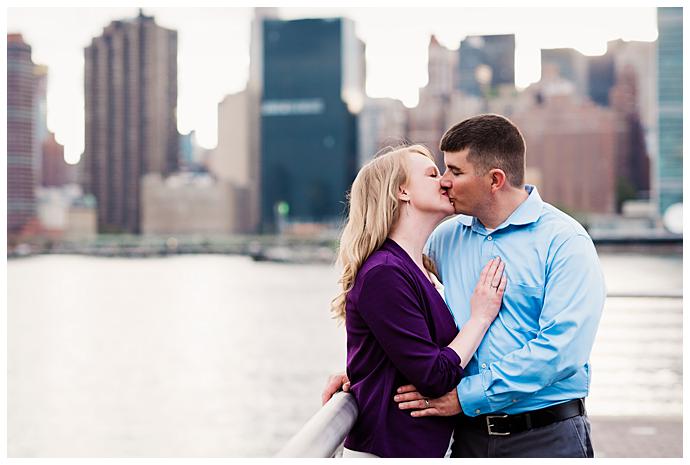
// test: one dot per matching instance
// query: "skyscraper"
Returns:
(234, 161)
(313, 86)
(130, 85)
(41, 114)
(442, 70)
(601, 75)
(381, 123)
(55, 171)
(427, 122)
(486, 62)
(574, 146)
(21, 143)
(669, 166)
(571, 65)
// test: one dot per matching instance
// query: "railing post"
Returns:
(325, 431)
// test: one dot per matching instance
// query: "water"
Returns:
(219, 356)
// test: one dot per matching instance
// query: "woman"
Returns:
(399, 330)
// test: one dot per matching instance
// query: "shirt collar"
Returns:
(527, 212)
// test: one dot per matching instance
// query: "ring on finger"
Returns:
(426, 403)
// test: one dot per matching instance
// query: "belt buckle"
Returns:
(489, 425)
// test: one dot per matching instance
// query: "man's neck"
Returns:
(504, 204)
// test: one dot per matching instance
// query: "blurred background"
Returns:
(176, 183)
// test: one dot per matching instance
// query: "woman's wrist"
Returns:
(481, 321)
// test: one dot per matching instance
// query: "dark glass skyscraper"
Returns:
(601, 75)
(669, 166)
(130, 82)
(313, 84)
(497, 52)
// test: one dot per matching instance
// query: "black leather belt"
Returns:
(505, 425)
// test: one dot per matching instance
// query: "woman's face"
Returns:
(423, 187)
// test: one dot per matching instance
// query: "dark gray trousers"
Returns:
(566, 438)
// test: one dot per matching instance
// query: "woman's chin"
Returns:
(446, 211)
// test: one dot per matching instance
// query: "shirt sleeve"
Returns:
(390, 307)
(574, 297)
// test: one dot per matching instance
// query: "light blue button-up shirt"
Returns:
(535, 353)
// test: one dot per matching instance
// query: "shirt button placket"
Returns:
(488, 249)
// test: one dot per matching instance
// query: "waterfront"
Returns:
(220, 356)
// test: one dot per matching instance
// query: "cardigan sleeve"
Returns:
(393, 311)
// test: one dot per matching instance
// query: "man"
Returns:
(523, 391)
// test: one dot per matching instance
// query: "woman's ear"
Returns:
(403, 195)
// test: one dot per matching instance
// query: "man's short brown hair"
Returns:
(493, 142)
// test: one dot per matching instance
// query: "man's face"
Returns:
(468, 192)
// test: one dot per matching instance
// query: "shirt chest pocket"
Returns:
(521, 307)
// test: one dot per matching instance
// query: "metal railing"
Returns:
(323, 434)
(677, 294)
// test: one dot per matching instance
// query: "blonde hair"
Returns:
(374, 210)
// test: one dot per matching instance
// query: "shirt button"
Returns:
(483, 365)
(477, 411)
(514, 400)
(490, 238)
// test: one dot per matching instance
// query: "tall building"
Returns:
(381, 123)
(636, 60)
(601, 75)
(427, 122)
(186, 151)
(633, 165)
(442, 69)
(669, 166)
(486, 63)
(21, 135)
(130, 85)
(233, 161)
(55, 171)
(571, 65)
(573, 147)
(41, 113)
(254, 91)
(192, 156)
(313, 86)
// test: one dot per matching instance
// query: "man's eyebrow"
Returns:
(453, 167)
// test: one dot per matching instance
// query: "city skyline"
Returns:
(227, 53)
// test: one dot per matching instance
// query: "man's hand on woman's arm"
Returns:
(333, 385)
(445, 406)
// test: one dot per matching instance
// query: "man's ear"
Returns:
(498, 179)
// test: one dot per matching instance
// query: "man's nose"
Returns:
(446, 183)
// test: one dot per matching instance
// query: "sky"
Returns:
(213, 49)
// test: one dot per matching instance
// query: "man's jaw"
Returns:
(456, 207)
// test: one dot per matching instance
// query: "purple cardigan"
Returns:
(398, 327)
